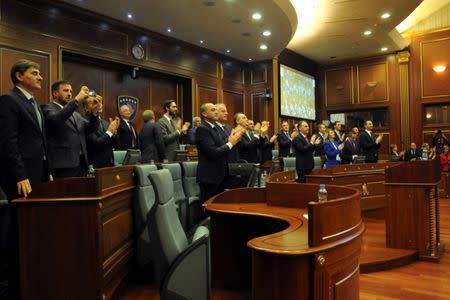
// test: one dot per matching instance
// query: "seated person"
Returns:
(413, 153)
(430, 151)
(444, 157)
(333, 150)
(393, 153)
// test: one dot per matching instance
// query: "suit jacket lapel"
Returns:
(29, 108)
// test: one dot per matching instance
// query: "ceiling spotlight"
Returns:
(266, 33)
(250, 59)
(169, 30)
(130, 16)
(263, 47)
(384, 49)
(256, 16)
(201, 41)
(367, 32)
(228, 50)
(386, 16)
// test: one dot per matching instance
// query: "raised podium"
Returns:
(75, 236)
(412, 207)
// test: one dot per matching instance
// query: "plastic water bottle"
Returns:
(424, 154)
(152, 162)
(322, 194)
(262, 182)
(90, 171)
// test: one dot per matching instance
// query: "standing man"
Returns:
(103, 138)
(321, 129)
(150, 139)
(249, 144)
(369, 143)
(212, 153)
(351, 148)
(24, 158)
(191, 132)
(171, 134)
(225, 131)
(268, 144)
(340, 136)
(284, 140)
(304, 149)
(126, 133)
(67, 130)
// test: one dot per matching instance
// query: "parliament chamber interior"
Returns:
(224, 149)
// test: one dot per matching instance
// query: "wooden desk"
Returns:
(444, 185)
(75, 236)
(262, 241)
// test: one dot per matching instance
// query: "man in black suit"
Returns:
(268, 142)
(191, 132)
(321, 129)
(351, 148)
(126, 133)
(67, 129)
(284, 140)
(340, 136)
(212, 153)
(101, 141)
(304, 149)
(225, 131)
(413, 153)
(249, 144)
(23, 158)
(150, 139)
(172, 133)
(368, 143)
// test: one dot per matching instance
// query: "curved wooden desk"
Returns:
(278, 243)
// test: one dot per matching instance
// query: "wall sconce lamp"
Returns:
(428, 116)
(372, 84)
(439, 68)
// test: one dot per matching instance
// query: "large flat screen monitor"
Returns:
(297, 94)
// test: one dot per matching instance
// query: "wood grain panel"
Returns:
(206, 94)
(116, 230)
(258, 73)
(433, 53)
(8, 58)
(232, 71)
(160, 91)
(372, 83)
(234, 103)
(259, 107)
(339, 86)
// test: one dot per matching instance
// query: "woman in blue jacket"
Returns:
(332, 150)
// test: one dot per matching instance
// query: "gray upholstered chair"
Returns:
(192, 190)
(288, 163)
(143, 203)
(182, 262)
(180, 197)
(317, 162)
(119, 155)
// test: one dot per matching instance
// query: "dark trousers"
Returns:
(79, 171)
(301, 175)
(209, 190)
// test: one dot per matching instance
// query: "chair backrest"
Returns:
(245, 174)
(288, 163)
(190, 184)
(172, 238)
(275, 154)
(175, 171)
(119, 155)
(317, 162)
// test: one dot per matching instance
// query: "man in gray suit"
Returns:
(170, 132)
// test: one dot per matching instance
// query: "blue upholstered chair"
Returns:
(143, 203)
(192, 191)
(182, 262)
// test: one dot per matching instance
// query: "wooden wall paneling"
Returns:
(372, 82)
(259, 107)
(339, 86)
(234, 103)
(232, 71)
(7, 59)
(258, 73)
(160, 91)
(206, 94)
(394, 81)
(435, 52)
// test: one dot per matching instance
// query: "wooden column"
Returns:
(403, 61)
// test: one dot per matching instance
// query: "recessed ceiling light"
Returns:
(386, 15)
(250, 59)
(169, 29)
(130, 16)
(256, 16)
(263, 47)
(267, 33)
(384, 49)
(228, 50)
(201, 41)
(367, 32)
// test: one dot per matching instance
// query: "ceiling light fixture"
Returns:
(250, 59)
(228, 50)
(169, 29)
(256, 16)
(266, 33)
(130, 16)
(367, 32)
(386, 15)
(263, 47)
(439, 68)
(384, 49)
(201, 41)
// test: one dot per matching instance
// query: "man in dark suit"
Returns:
(413, 153)
(191, 132)
(249, 144)
(101, 141)
(368, 143)
(150, 139)
(66, 130)
(304, 149)
(268, 143)
(321, 129)
(170, 132)
(225, 131)
(212, 153)
(126, 133)
(284, 140)
(351, 148)
(23, 158)
(340, 136)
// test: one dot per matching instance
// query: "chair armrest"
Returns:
(206, 222)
